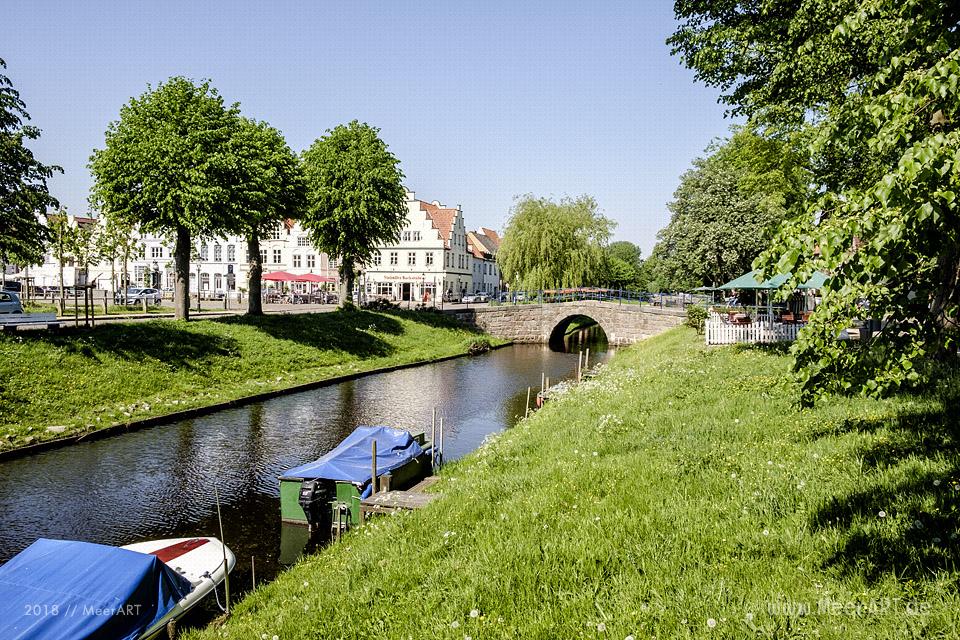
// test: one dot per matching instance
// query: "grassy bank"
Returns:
(679, 495)
(76, 381)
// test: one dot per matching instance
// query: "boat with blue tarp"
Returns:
(72, 590)
(327, 492)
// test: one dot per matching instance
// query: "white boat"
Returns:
(199, 560)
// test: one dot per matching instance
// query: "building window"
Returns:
(217, 253)
(377, 259)
(303, 241)
(429, 258)
(296, 261)
(231, 253)
(311, 261)
(276, 256)
(416, 236)
(274, 233)
(394, 258)
(333, 263)
(384, 288)
(217, 282)
(411, 259)
(406, 236)
(204, 252)
(156, 252)
(263, 256)
(205, 282)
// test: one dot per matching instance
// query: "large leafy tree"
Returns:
(23, 183)
(356, 197)
(551, 244)
(874, 88)
(272, 189)
(168, 165)
(726, 209)
(623, 264)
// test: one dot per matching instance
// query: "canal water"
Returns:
(159, 482)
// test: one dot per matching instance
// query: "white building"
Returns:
(431, 257)
(483, 244)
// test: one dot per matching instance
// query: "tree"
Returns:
(726, 209)
(61, 240)
(273, 189)
(23, 183)
(356, 197)
(118, 240)
(83, 244)
(551, 244)
(874, 88)
(168, 165)
(623, 264)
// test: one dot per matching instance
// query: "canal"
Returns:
(159, 482)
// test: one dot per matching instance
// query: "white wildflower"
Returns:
(711, 623)
(474, 613)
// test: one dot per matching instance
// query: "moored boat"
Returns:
(71, 590)
(327, 492)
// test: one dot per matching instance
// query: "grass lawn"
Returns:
(678, 495)
(80, 380)
(97, 309)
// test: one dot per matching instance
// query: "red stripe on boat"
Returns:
(176, 550)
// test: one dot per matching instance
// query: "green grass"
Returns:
(80, 380)
(679, 495)
(97, 308)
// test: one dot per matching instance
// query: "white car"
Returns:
(10, 302)
(475, 298)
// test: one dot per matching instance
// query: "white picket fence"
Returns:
(760, 331)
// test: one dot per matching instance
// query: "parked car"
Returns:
(10, 302)
(451, 296)
(134, 295)
(12, 285)
(476, 298)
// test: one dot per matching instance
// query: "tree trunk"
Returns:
(113, 279)
(181, 287)
(346, 278)
(255, 267)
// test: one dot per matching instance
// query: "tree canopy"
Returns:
(623, 265)
(169, 165)
(726, 209)
(550, 244)
(874, 89)
(23, 183)
(356, 199)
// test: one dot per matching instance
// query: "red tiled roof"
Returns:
(492, 235)
(486, 244)
(441, 218)
(472, 246)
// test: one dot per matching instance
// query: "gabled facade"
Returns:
(483, 245)
(431, 258)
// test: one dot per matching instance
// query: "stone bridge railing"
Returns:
(622, 323)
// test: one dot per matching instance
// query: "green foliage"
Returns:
(696, 318)
(551, 244)
(356, 196)
(622, 266)
(726, 209)
(872, 87)
(23, 183)
(678, 495)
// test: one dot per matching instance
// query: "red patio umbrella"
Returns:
(278, 276)
(312, 277)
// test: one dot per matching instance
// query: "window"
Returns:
(394, 258)
(384, 288)
(139, 273)
(205, 282)
(217, 253)
(303, 241)
(276, 256)
(156, 252)
(296, 261)
(231, 253)
(411, 259)
(204, 252)
(217, 282)
(333, 263)
(311, 261)
(429, 258)
(406, 236)
(274, 233)
(377, 259)
(416, 236)
(263, 255)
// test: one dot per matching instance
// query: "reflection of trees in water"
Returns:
(591, 337)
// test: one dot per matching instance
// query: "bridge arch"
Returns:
(563, 325)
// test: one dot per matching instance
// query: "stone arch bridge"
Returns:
(622, 323)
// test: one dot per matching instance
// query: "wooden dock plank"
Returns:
(390, 501)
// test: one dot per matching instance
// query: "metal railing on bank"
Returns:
(613, 296)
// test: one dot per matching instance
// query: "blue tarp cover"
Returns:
(350, 460)
(66, 590)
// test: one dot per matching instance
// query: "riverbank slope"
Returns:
(65, 383)
(678, 495)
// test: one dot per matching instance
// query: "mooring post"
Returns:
(543, 381)
(579, 365)
(433, 441)
(253, 572)
(586, 360)
(373, 466)
(527, 409)
(441, 442)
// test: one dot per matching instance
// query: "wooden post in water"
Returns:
(253, 572)
(543, 381)
(579, 365)
(373, 467)
(586, 360)
(527, 409)
(433, 441)
(441, 442)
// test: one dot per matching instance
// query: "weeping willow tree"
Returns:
(551, 244)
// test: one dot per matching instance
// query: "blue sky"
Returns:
(480, 101)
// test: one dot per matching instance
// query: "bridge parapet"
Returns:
(622, 323)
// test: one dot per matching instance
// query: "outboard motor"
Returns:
(315, 497)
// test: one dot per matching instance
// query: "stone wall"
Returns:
(623, 324)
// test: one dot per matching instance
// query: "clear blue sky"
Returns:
(481, 101)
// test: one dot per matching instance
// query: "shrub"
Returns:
(696, 317)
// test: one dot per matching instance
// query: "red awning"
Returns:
(278, 276)
(312, 277)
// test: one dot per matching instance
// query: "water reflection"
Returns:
(158, 482)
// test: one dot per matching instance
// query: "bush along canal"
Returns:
(158, 482)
